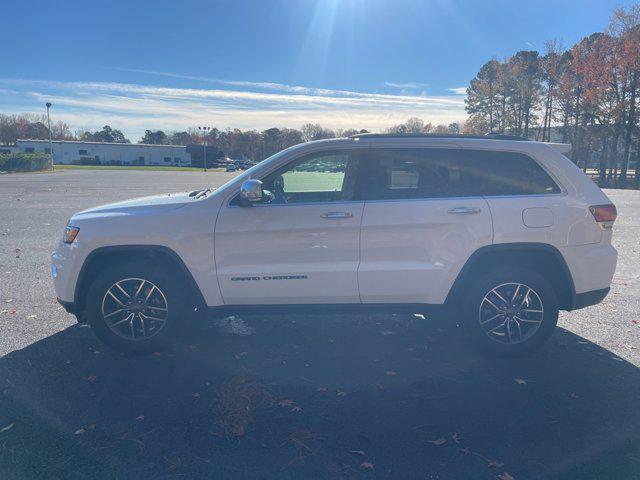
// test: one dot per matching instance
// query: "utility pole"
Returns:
(48, 104)
(204, 145)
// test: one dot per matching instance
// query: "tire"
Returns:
(520, 300)
(147, 321)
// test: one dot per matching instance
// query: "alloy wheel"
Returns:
(135, 309)
(511, 313)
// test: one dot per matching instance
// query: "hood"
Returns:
(153, 204)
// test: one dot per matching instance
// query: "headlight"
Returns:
(70, 234)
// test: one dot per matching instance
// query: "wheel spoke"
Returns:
(526, 320)
(525, 299)
(144, 331)
(153, 287)
(515, 294)
(109, 292)
(496, 328)
(504, 300)
(519, 328)
(492, 304)
(125, 319)
(115, 312)
(149, 317)
(156, 308)
(531, 310)
(492, 318)
(142, 282)
(119, 287)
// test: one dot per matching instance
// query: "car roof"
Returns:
(489, 136)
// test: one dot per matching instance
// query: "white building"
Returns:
(71, 152)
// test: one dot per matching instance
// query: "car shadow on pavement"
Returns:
(312, 397)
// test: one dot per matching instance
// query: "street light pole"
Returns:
(204, 145)
(48, 104)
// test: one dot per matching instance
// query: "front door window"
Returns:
(320, 177)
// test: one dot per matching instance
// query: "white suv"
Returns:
(499, 231)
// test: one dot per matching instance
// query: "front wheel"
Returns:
(511, 311)
(134, 308)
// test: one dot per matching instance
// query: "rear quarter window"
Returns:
(506, 173)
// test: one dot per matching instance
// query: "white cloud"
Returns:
(406, 85)
(458, 90)
(134, 108)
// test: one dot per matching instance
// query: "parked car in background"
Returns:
(231, 168)
(501, 232)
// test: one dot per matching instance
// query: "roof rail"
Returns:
(488, 136)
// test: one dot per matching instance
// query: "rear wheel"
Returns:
(511, 311)
(134, 308)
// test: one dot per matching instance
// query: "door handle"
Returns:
(337, 215)
(463, 210)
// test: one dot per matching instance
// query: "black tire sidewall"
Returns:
(478, 289)
(147, 271)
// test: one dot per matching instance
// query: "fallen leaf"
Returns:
(520, 381)
(495, 464)
(321, 390)
(574, 395)
(367, 465)
(92, 378)
(357, 452)
(80, 431)
(140, 418)
(456, 437)
(391, 373)
(285, 403)
(8, 427)
(438, 441)
(32, 316)
(296, 408)
(195, 395)
(505, 476)
(342, 393)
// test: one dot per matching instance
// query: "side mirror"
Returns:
(250, 191)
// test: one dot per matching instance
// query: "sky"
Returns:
(171, 65)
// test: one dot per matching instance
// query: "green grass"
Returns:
(133, 167)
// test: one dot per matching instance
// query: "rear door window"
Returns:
(442, 173)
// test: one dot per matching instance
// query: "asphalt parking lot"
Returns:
(366, 396)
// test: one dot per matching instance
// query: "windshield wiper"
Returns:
(202, 193)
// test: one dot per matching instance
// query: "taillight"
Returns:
(605, 215)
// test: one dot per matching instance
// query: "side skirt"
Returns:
(323, 309)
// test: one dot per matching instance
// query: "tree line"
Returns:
(235, 143)
(586, 95)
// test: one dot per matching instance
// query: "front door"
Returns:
(421, 222)
(300, 244)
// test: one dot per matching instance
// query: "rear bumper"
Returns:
(587, 299)
(70, 307)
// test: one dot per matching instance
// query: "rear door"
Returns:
(422, 220)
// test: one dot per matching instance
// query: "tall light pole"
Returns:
(204, 145)
(48, 104)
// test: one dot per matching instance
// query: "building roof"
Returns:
(77, 142)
